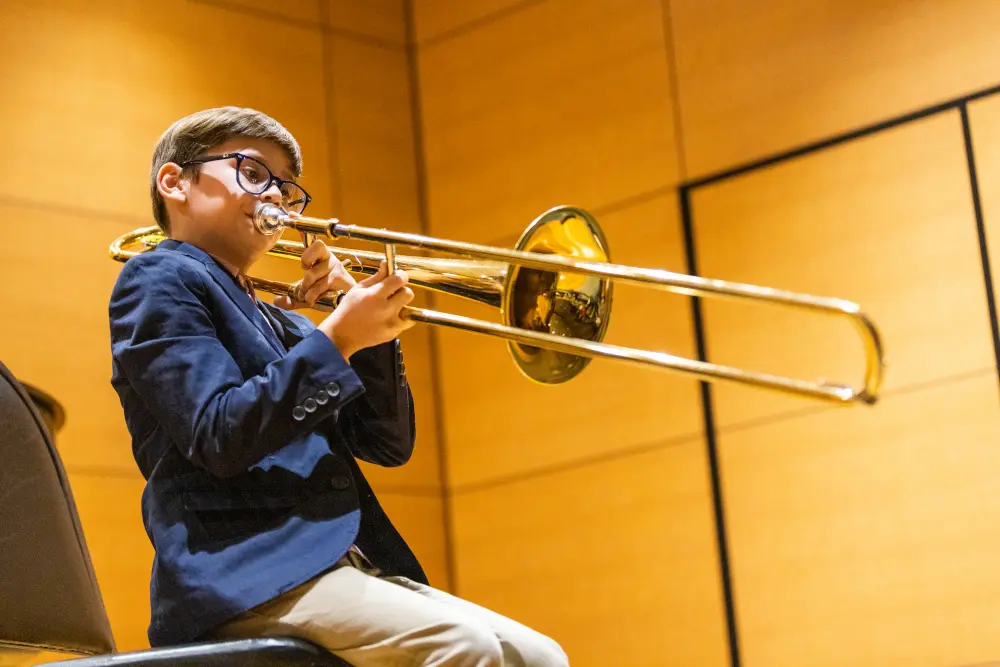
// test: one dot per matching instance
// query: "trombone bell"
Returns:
(566, 304)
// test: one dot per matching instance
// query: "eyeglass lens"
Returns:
(255, 178)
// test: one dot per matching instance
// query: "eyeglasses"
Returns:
(255, 178)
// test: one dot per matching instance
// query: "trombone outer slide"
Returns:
(270, 219)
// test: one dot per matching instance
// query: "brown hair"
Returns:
(189, 137)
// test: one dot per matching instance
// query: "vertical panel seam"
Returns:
(329, 101)
(675, 93)
(423, 216)
(715, 472)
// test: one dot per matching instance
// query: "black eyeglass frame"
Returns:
(239, 160)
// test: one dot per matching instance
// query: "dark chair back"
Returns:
(49, 599)
(50, 604)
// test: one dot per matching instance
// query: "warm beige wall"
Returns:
(88, 88)
(857, 537)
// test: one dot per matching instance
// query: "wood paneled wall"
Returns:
(597, 511)
(88, 88)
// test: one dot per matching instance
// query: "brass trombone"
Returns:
(554, 292)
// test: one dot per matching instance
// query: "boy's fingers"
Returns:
(402, 297)
(332, 284)
(329, 273)
(392, 284)
(339, 272)
(316, 274)
(316, 253)
(383, 271)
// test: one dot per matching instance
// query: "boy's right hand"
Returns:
(369, 313)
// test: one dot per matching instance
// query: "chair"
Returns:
(50, 603)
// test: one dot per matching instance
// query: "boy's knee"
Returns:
(550, 654)
(556, 656)
(470, 645)
(538, 651)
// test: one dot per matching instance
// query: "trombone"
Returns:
(554, 292)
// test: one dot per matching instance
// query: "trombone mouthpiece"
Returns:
(269, 219)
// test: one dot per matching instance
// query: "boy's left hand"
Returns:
(323, 273)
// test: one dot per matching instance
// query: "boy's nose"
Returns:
(272, 195)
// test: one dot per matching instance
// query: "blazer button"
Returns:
(340, 482)
(322, 397)
(299, 413)
(333, 389)
(309, 404)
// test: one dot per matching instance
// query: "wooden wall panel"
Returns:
(614, 561)
(111, 516)
(517, 121)
(382, 19)
(869, 537)
(85, 119)
(374, 142)
(887, 222)
(56, 281)
(499, 423)
(755, 79)
(435, 18)
(420, 520)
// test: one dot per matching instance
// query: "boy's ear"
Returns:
(170, 184)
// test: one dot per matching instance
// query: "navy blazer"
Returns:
(245, 422)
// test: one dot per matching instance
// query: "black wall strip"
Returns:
(713, 459)
(984, 254)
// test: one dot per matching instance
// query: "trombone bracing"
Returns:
(554, 292)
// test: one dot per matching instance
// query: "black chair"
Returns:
(49, 599)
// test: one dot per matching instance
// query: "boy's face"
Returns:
(217, 214)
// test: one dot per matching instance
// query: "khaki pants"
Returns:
(374, 621)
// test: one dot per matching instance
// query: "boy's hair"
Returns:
(189, 137)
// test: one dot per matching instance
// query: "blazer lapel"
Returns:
(232, 288)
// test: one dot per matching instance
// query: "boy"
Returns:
(246, 420)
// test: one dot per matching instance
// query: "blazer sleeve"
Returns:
(164, 341)
(380, 426)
